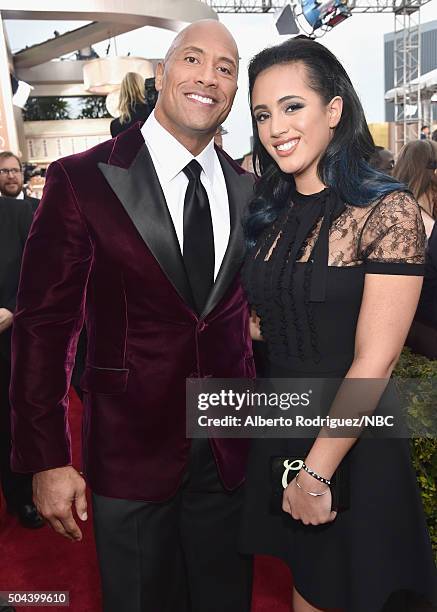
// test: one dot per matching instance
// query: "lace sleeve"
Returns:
(393, 238)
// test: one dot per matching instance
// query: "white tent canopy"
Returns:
(427, 83)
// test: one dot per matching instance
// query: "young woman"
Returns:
(333, 276)
(132, 103)
(417, 167)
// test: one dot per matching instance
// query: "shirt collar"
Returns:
(170, 154)
(206, 160)
(20, 196)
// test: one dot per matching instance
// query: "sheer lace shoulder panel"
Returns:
(394, 231)
(387, 231)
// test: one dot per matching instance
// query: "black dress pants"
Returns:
(17, 488)
(176, 556)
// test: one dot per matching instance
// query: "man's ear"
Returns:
(159, 75)
(335, 109)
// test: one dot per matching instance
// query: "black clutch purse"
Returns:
(284, 469)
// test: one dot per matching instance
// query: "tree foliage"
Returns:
(93, 107)
(46, 109)
(422, 408)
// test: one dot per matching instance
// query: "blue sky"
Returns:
(358, 42)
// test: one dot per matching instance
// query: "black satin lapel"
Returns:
(239, 189)
(141, 195)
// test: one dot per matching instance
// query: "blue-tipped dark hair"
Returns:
(343, 167)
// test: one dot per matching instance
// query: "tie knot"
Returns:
(193, 170)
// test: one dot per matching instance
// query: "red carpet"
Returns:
(42, 560)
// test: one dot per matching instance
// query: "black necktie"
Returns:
(199, 257)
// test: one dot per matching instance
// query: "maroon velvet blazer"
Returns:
(103, 249)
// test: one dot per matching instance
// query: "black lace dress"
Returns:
(305, 279)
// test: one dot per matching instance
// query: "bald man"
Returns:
(140, 238)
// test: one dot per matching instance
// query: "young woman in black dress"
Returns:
(333, 276)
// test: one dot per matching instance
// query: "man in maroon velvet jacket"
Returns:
(105, 247)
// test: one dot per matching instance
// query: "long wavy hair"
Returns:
(344, 165)
(131, 94)
(416, 166)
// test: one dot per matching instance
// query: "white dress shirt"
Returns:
(170, 157)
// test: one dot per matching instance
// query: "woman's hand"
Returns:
(306, 508)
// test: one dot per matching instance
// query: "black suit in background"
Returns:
(15, 221)
(427, 309)
(422, 337)
(32, 201)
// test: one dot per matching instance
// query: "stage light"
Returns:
(325, 14)
(285, 21)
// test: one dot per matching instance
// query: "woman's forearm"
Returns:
(351, 401)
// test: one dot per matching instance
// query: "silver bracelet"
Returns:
(314, 474)
(312, 493)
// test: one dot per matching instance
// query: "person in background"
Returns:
(422, 337)
(416, 167)
(132, 103)
(12, 179)
(427, 308)
(382, 160)
(218, 138)
(15, 221)
(434, 136)
(35, 186)
(424, 132)
(247, 162)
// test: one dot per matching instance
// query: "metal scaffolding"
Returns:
(357, 6)
(407, 103)
(245, 6)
